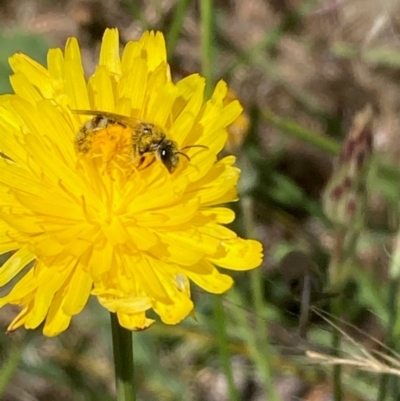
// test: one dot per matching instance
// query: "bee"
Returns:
(144, 138)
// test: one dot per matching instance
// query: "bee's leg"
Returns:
(143, 163)
(140, 162)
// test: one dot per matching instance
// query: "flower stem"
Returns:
(388, 386)
(337, 378)
(9, 366)
(261, 328)
(390, 341)
(206, 11)
(176, 26)
(223, 347)
(123, 360)
(335, 275)
(207, 43)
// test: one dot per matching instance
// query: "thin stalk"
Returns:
(392, 307)
(123, 361)
(258, 303)
(206, 11)
(176, 26)
(389, 384)
(336, 343)
(223, 347)
(344, 249)
(10, 366)
(335, 271)
(290, 127)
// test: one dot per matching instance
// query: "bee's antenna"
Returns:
(183, 154)
(194, 146)
(188, 147)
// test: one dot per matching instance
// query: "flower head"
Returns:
(86, 210)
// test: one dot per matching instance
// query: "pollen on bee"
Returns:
(113, 141)
(112, 144)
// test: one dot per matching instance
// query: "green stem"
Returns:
(176, 26)
(336, 343)
(295, 130)
(261, 330)
(387, 383)
(206, 10)
(123, 361)
(223, 347)
(390, 384)
(9, 366)
(336, 280)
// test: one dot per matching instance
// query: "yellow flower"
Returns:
(239, 128)
(81, 224)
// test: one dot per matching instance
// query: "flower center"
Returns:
(109, 141)
(112, 142)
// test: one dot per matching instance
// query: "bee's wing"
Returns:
(118, 117)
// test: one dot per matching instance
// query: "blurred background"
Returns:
(319, 149)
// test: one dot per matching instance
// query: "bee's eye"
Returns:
(164, 154)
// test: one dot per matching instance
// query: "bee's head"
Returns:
(168, 154)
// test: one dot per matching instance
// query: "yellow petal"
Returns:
(57, 320)
(240, 255)
(215, 282)
(102, 89)
(77, 292)
(75, 84)
(146, 271)
(173, 314)
(22, 85)
(25, 287)
(154, 45)
(55, 64)
(109, 51)
(221, 215)
(44, 296)
(124, 304)
(133, 85)
(36, 73)
(15, 264)
(19, 320)
(136, 321)
(99, 258)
